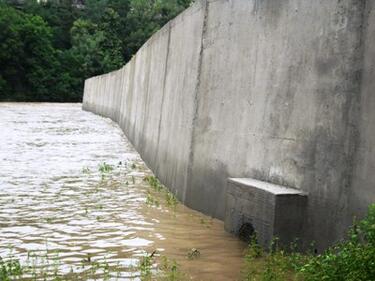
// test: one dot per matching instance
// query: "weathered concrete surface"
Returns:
(276, 90)
(271, 210)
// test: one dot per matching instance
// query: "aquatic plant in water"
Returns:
(105, 168)
(170, 199)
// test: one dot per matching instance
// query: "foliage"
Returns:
(9, 269)
(350, 260)
(170, 199)
(105, 168)
(26, 56)
(48, 48)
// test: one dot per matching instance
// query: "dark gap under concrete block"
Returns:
(272, 211)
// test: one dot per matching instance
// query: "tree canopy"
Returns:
(48, 48)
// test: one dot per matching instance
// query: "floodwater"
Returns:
(54, 200)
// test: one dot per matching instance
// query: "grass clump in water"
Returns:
(151, 200)
(10, 269)
(160, 269)
(145, 266)
(170, 198)
(154, 183)
(170, 271)
(47, 266)
(352, 259)
(105, 168)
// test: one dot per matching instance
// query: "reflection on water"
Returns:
(54, 198)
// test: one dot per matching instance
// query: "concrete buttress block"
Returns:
(269, 210)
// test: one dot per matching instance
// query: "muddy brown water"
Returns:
(53, 198)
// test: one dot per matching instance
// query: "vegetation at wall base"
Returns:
(352, 259)
(48, 48)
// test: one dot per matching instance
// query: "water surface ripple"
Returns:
(54, 199)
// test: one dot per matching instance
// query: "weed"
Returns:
(145, 266)
(154, 183)
(170, 271)
(10, 269)
(105, 168)
(350, 260)
(171, 199)
(193, 254)
(151, 200)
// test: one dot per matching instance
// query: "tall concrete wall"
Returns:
(276, 90)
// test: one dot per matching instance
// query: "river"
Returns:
(73, 191)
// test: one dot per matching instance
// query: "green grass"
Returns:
(151, 200)
(160, 268)
(105, 168)
(10, 269)
(352, 259)
(154, 183)
(170, 199)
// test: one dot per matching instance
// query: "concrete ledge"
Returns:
(269, 210)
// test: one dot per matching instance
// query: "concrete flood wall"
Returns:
(279, 91)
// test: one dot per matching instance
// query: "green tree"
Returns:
(26, 56)
(48, 48)
(95, 48)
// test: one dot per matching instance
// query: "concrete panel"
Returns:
(127, 101)
(125, 91)
(178, 106)
(152, 107)
(140, 93)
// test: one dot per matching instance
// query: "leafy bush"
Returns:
(9, 269)
(350, 260)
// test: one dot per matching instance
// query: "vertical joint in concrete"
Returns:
(163, 97)
(196, 100)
